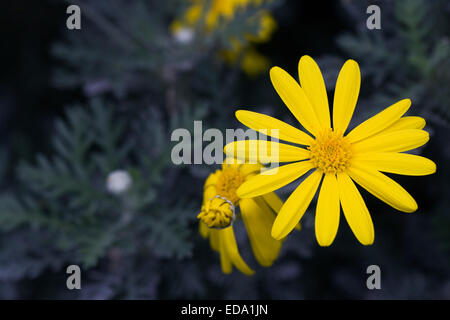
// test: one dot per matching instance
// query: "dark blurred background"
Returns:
(86, 177)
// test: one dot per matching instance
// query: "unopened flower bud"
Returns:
(217, 213)
(118, 182)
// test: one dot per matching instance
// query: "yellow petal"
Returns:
(346, 95)
(273, 127)
(209, 193)
(410, 122)
(253, 151)
(295, 99)
(258, 220)
(273, 200)
(249, 169)
(214, 239)
(398, 163)
(203, 230)
(273, 179)
(355, 210)
(212, 179)
(382, 187)
(231, 250)
(209, 188)
(225, 262)
(327, 211)
(295, 206)
(276, 203)
(394, 141)
(379, 121)
(311, 80)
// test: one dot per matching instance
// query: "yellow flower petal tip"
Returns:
(421, 123)
(276, 233)
(413, 208)
(367, 242)
(306, 58)
(274, 68)
(433, 167)
(409, 205)
(351, 62)
(274, 71)
(324, 242)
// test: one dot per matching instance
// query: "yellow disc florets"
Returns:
(330, 152)
(229, 180)
(217, 213)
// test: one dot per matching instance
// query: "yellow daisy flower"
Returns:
(252, 62)
(223, 11)
(258, 213)
(376, 145)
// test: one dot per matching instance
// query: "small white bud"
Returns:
(118, 181)
(184, 35)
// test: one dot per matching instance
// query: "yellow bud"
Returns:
(217, 212)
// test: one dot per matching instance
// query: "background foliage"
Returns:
(78, 105)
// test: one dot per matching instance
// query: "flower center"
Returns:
(228, 182)
(330, 152)
(217, 213)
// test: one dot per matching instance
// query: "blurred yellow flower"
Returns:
(220, 201)
(252, 62)
(376, 145)
(221, 12)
